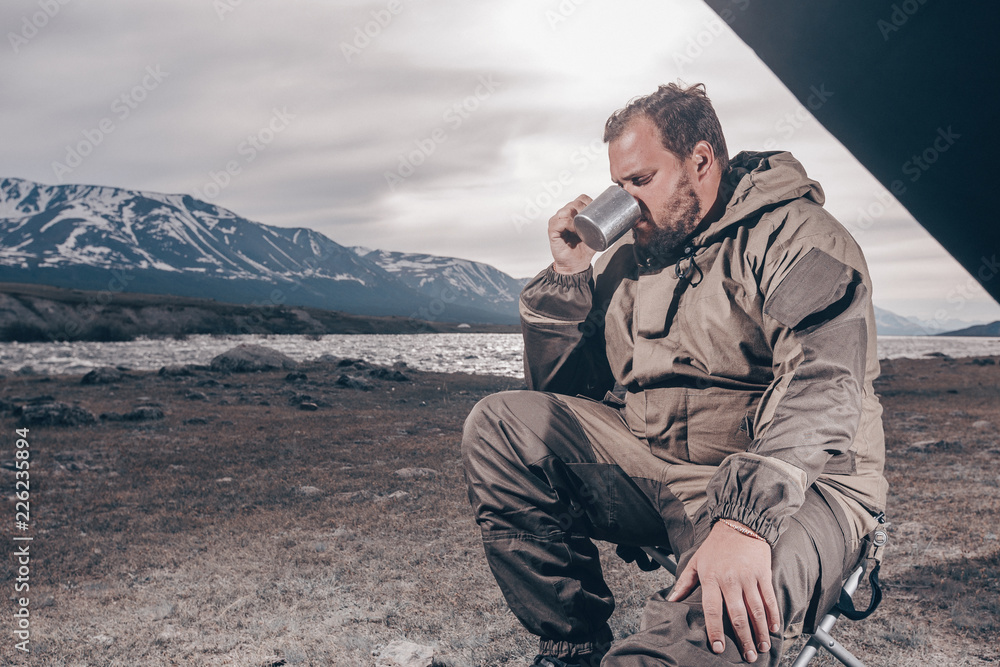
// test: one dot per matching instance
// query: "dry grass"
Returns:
(175, 542)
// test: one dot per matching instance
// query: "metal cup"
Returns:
(608, 217)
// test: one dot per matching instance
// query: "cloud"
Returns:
(371, 92)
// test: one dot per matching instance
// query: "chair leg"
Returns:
(821, 638)
(663, 557)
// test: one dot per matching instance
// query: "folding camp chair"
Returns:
(821, 638)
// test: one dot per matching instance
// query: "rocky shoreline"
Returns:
(41, 313)
(258, 511)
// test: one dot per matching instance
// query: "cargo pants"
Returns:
(547, 474)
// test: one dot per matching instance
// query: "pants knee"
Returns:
(482, 433)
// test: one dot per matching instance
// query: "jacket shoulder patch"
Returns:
(814, 283)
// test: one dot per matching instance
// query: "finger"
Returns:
(735, 606)
(771, 606)
(711, 605)
(686, 582)
(758, 620)
(577, 205)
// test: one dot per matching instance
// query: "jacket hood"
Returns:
(760, 180)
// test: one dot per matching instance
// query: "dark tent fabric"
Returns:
(911, 89)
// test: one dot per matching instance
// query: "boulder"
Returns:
(143, 413)
(102, 375)
(247, 358)
(176, 370)
(352, 382)
(391, 374)
(55, 414)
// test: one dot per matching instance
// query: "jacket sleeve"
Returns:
(564, 335)
(816, 313)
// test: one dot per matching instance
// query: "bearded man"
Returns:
(706, 387)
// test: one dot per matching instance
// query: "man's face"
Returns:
(660, 181)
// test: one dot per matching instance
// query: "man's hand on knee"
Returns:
(734, 571)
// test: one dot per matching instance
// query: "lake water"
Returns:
(494, 354)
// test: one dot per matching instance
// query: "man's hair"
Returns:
(684, 117)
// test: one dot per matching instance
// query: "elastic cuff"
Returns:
(571, 651)
(574, 280)
(758, 523)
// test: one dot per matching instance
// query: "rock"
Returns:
(143, 413)
(351, 382)
(298, 399)
(196, 421)
(396, 495)
(55, 414)
(296, 377)
(246, 358)
(196, 396)
(936, 446)
(224, 480)
(982, 425)
(311, 407)
(102, 375)
(327, 359)
(388, 374)
(414, 473)
(176, 370)
(309, 490)
(405, 654)
(359, 364)
(983, 362)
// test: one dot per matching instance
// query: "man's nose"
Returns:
(634, 191)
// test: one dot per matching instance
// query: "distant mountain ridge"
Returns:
(112, 239)
(891, 324)
(115, 240)
(448, 278)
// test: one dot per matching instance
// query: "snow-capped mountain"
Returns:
(450, 279)
(111, 239)
(889, 323)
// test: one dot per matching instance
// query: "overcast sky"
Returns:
(441, 126)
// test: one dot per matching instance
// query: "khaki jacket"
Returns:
(752, 352)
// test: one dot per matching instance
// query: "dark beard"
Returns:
(664, 246)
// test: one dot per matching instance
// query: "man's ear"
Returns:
(703, 158)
